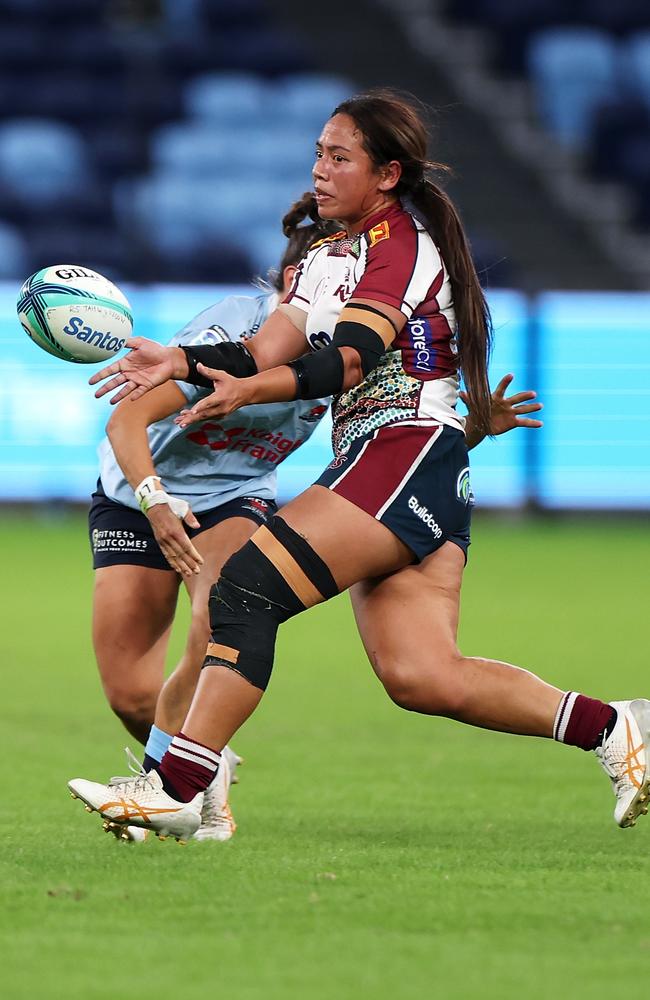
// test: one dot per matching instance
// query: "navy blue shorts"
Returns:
(122, 536)
(414, 478)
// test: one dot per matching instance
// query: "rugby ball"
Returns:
(74, 313)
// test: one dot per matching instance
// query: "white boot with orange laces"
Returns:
(624, 758)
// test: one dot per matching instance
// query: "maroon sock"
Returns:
(583, 722)
(188, 767)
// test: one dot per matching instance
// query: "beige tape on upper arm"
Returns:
(381, 325)
(297, 316)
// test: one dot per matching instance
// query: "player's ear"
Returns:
(288, 274)
(390, 174)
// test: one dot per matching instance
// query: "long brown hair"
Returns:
(392, 129)
(300, 237)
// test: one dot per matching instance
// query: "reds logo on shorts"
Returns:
(260, 507)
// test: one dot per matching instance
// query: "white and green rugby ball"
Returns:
(74, 313)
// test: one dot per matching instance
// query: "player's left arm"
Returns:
(127, 433)
(506, 413)
(364, 330)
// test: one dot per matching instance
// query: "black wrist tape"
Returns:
(235, 359)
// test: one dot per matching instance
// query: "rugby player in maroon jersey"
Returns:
(394, 308)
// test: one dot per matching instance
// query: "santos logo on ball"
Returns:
(75, 328)
(423, 513)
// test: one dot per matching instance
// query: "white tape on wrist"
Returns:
(150, 493)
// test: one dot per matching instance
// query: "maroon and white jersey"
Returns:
(394, 261)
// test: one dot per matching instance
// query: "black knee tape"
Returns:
(252, 598)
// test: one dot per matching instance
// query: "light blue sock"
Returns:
(157, 744)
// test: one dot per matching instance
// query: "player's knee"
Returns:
(402, 686)
(432, 688)
(133, 705)
(274, 576)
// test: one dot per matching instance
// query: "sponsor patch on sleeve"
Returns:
(379, 233)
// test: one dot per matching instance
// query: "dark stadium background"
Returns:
(160, 142)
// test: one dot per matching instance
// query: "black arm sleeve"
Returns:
(235, 359)
(322, 372)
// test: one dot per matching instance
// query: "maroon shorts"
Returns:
(414, 478)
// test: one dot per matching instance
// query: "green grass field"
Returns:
(379, 854)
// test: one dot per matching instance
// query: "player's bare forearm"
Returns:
(277, 385)
(127, 430)
(130, 445)
(279, 340)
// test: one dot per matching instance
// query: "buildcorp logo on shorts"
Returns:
(423, 513)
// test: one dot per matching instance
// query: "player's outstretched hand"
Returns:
(229, 394)
(173, 540)
(508, 412)
(147, 365)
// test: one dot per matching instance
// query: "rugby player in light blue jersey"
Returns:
(220, 480)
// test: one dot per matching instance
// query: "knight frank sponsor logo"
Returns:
(265, 446)
(423, 357)
(423, 513)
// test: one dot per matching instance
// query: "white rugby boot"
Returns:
(126, 834)
(234, 761)
(217, 822)
(624, 758)
(143, 802)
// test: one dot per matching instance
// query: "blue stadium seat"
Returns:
(636, 60)
(249, 154)
(266, 245)
(41, 160)
(235, 209)
(281, 150)
(191, 149)
(308, 99)
(227, 98)
(573, 71)
(162, 211)
(14, 259)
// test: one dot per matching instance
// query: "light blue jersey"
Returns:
(211, 463)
